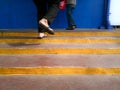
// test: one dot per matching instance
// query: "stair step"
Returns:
(65, 60)
(60, 82)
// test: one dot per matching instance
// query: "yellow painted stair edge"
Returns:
(59, 51)
(61, 40)
(58, 71)
(92, 33)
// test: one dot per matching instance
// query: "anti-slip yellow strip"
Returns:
(59, 51)
(1, 34)
(92, 33)
(61, 40)
(58, 71)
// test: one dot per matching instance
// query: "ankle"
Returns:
(44, 21)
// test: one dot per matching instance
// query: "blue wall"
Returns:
(17, 14)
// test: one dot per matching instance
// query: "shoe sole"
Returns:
(42, 37)
(47, 29)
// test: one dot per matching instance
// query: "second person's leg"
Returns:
(70, 20)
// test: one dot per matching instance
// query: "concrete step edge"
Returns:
(59, 50)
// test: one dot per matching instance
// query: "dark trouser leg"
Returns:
(41, 11)
(70, 19)
(52, 10)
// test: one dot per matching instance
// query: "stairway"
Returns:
(69, 60)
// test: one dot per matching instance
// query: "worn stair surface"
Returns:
(68, 60)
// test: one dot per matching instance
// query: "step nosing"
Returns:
(64, 34)
(59, 70)
(60, 51)
(64, 40)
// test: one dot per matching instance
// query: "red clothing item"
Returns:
(62, 4)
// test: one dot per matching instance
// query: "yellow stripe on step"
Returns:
(61, 33)
(92, 33)
(59, 51)
(1, 34)
(58, 71)
(20, 34)
(61, 40)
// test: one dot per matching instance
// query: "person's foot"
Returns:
(71, 27)
(43, 23)
(42, 35)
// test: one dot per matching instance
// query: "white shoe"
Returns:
(46, 27)
(42, 35)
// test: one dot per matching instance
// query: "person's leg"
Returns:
(41, 11)
(69, 15)
(53, 8)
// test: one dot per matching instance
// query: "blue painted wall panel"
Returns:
(19, 14)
